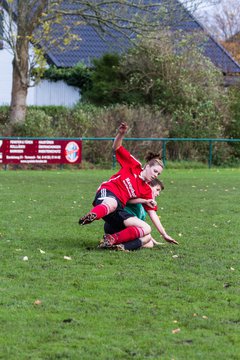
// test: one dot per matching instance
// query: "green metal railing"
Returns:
(164, 141)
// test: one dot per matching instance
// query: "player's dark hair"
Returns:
(156, 182)
(154, 159)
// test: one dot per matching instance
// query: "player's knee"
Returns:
(112, 207)
(147, 229)
(111, 204)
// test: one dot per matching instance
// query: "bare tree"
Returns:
(34, 22)
(223, 19)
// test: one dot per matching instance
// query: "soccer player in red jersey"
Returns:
(118, 221)
(130, 182)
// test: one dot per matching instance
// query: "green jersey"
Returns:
(136, 210)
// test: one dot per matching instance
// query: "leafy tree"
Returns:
(223, 21)
(17, 33)
(232, 129)
(232, 46)
(168, 72)
(35, 22)
(107, 81)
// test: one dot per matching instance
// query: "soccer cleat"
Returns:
(120, 247)
(87, 219)
(108, 240)
(105, 245)
(101, 245)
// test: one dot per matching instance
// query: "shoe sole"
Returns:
(87, 219)
(118, 247)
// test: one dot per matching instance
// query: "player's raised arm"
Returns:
(120, 135)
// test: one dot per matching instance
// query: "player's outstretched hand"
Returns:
(123, 128)
(170, 240)
(151, 203)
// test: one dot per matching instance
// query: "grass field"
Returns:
(169, 302)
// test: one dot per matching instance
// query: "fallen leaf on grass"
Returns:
(231, 268)
(67, 258)
(226, 285)
(41, 251)
(204, 317)
(175, 331)
(37, 302)
(175, 256)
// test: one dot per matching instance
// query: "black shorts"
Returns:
(102, 194)
(132, 245)
(115, 221)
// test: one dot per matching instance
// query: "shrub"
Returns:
(107, 82)
(4, 121)
(232, 129)
(37, 124)
(78, 76)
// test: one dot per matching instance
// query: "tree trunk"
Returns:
(20, 78)
(19, 96)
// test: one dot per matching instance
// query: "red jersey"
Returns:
(127, 184)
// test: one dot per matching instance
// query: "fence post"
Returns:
(210, 154)
(164, 152)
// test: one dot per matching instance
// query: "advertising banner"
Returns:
(29, 151)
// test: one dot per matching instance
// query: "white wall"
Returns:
(44, 93)
(53, 93)
(5, 77)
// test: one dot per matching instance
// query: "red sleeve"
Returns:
(155, 208)
(124, 158)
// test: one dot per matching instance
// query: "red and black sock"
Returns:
(101, 210)
(130, 233)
